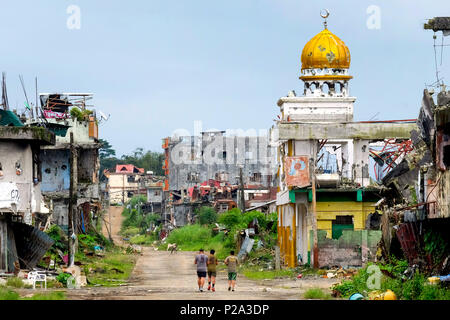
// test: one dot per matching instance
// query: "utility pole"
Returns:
(123, 189)
(314, 214)
(241, 188)
(73, 198)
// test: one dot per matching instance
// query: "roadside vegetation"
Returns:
(99, 260)
(9, 291)
(397, 277)
(317, 294)
(205, 233)
(139, 228)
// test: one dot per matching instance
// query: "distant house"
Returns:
(125, 182)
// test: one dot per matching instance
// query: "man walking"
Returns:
(201, 260)
(212, 263)
(231, 261)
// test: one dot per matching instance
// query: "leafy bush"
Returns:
(207, 215)
(80, 115)
(87, 241)
(434, 292)
(413, 288)
(231, 218)
(56, 234)
(250, 216)
(62, 277)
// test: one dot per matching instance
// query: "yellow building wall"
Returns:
(326, 213)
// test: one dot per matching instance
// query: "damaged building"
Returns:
(416, 214)
(125, 182)
(418, 205)
(206, 169)
(75, 126)
(22, 245)
(330, 166)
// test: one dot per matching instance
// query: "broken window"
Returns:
(256, 177)
(131, 179)
(340, 224)
(193, 177)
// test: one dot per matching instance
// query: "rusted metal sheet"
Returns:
(31, 244)
(297, 171)
(409, 238)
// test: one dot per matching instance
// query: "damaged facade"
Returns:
(419, 199)
(416, 214)
(21, 203)
(206, 169)
(330, 166)
(126, 182)
(75, 126)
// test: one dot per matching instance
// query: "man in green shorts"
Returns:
(231, 261)
(212, 262)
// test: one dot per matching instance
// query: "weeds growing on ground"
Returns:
(316, 293)
(8, 294)
(15, 282)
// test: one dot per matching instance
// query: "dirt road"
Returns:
(161, 275)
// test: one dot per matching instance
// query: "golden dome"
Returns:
(325, 50)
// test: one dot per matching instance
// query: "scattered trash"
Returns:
(135, 248)
(356, 296)
(434, 280)
(445, 278)
(75, 271)
(376, 295)
(379, 295)
(267, 289)
(331, 275)
(259, 244)
(300, 276)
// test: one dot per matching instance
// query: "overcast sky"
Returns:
(156, 66)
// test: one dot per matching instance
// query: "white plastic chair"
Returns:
(35, 276)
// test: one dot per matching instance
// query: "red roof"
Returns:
(128, 168)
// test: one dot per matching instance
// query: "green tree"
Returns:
(207, 215)
(106, 150)
(107, 157)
